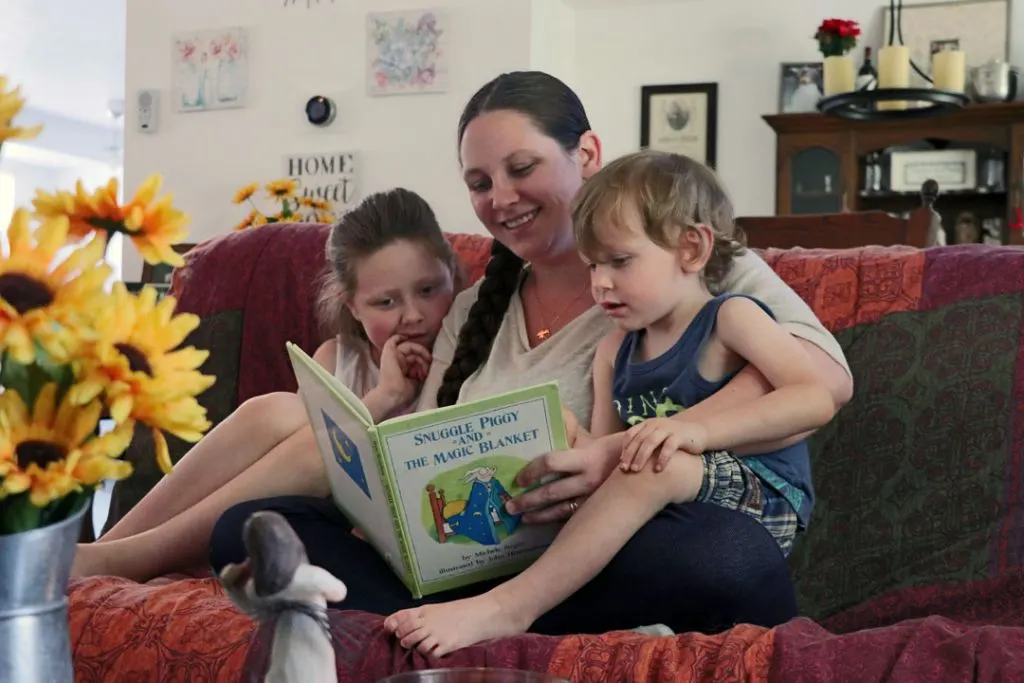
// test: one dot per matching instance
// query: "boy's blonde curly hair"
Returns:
(670, 193)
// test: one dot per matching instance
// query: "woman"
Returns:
(526, 146)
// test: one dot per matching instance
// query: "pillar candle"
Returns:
(949, 70)
(893, 72)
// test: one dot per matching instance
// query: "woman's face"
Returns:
(522, 183)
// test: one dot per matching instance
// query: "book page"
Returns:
(456, 466)
(345, 444)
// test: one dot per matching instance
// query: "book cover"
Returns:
(428, 489)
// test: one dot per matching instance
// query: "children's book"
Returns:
(427, 490)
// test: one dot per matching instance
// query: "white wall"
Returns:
(737, 43)
(296, 52)
(606, 49)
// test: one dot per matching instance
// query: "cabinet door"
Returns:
(1015, 183)
(813, 174)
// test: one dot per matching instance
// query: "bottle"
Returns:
(867, 77)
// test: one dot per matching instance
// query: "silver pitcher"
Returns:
(994, 81)
(35, 642)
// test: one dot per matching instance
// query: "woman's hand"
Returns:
(579, 471)
(403, 367)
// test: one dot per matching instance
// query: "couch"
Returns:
(911, 569)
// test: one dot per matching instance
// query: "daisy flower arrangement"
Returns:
(289, 205)
(73, 350)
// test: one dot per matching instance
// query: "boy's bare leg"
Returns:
(181, 543)
(255, 428)
(585, 545)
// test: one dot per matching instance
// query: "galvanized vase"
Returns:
(35, 643)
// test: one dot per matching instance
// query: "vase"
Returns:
(838, 75)
(35, 640)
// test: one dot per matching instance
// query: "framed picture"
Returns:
(160, 274)
(682, 119)
(979, 28)
(800, 87)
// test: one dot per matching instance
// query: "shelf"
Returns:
(966, 194)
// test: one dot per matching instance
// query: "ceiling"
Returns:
(67, 55)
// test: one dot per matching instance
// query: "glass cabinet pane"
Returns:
(816, 183)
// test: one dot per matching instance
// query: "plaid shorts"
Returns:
(728, 482)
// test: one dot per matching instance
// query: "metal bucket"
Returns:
(472, 675)
(35, 643)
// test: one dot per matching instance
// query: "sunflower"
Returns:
(43, 302)
(248, 221)
(11, 103)
(281, 189)
(152, 227)
(325, 217)
(49, 452)
(136, 366)
(246, 193)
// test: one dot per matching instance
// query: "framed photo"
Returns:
(160, 274)
(800, 87)
(682, 119)
(979, 28)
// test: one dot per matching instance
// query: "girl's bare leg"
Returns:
(584, 546)
(255, 428)
(292, 467)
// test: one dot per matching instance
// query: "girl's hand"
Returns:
(663, 435)
(403, 367)
(579, 471)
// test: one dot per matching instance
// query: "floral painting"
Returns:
(210, 69)
(407, 52)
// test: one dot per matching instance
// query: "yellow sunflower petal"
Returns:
(163, 454)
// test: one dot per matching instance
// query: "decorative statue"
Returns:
(277, 584)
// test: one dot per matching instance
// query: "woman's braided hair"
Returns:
(555, 110)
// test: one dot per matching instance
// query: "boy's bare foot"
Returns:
(438, 630)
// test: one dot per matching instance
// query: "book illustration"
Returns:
(467, 504)
(346, 453)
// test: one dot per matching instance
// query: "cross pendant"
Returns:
(543, 334)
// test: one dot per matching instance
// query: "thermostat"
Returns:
(320, 111)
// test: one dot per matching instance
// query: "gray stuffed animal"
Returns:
(278, 584)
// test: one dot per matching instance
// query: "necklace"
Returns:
(545, 331)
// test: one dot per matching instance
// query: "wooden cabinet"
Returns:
(825, 164)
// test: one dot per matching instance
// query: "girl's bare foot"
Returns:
(89, 561)
(438, 630)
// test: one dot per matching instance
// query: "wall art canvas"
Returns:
(977, 27)
(682, 119)
(331, 176)
(211, 69)
(407, 52)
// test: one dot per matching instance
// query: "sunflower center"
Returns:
(137, 361)
(42, 453)
(24, 293)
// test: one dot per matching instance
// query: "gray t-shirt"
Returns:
(567, 356)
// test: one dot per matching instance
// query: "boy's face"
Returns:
(636, 281)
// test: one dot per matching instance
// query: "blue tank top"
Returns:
(668, 384)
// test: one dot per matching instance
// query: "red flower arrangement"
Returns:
(836, 37)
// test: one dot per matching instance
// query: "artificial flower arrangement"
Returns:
(836, 37)
(73, 350)
(291, 207)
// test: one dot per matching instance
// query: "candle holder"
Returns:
(861, 105)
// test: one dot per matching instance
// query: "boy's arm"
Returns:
(799, 400)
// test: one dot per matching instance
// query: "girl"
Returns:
(656, 230)
(389, 280)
